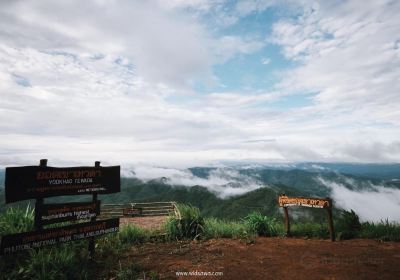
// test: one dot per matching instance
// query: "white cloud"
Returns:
(347, 56)
(224, 182)
(159, 43)
(375, 205)
(227, 99)
(117, 75)
(247, 7)
(229, 46)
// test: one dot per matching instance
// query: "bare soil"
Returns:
(270, 258)
(149, 222)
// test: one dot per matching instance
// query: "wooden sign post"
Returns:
(41, 181)
(92, 246)
(287, 223)
(39, 202)
(326, 203)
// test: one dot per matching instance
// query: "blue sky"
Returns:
(198, 82)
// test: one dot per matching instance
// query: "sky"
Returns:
(198, 82)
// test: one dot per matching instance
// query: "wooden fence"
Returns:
(141, 209)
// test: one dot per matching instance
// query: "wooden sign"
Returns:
(56, 213)
(326, 203)
(41, 181)
(36, 239)
(285, 201)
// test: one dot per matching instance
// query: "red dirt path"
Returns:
(271, 258)
(266, 258)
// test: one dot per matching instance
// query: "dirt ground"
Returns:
(270, 258)
(152, 222)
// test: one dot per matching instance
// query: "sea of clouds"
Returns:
(375, 203)
(224, 182)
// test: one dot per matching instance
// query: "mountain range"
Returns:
(231, 192)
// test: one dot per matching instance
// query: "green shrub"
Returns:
(384, 231)
(191, 224)
(348, 225)
(309, 229)
(262, 225)
(108, 245)
(173, 229)
(66, 261)
(215, 228)
(132, 234)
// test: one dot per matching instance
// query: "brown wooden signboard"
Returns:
(36, 239)
(41, 181)
(62, 212)
(313, 202)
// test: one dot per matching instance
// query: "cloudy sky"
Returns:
(193, 82)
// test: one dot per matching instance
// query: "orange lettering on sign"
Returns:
(285, 201)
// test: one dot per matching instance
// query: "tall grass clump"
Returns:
(348, 225)
(132, 234)
(190, 225)
(215, 228)
(66, 261)
(15, 220)
(309, 229)
(262, 225)
(384, 231)
(115, 243)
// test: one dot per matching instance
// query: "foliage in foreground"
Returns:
(190, 225)
(66, 261)
(215, 228)
(383, 231)
(348, 225)
(134, 271)
(69, 260)
(15, 220)
(309, 229)
(262, 225)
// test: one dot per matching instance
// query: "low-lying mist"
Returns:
(224, 182)
(375, 204)
(371, 201)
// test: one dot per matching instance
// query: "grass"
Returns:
(190, 225)
(132, 234)
(215, 228)
(309, 229)
(383, 231)
(66, 261)
(15, 220)
(69, 260)
(262, 225)
(134, 271)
